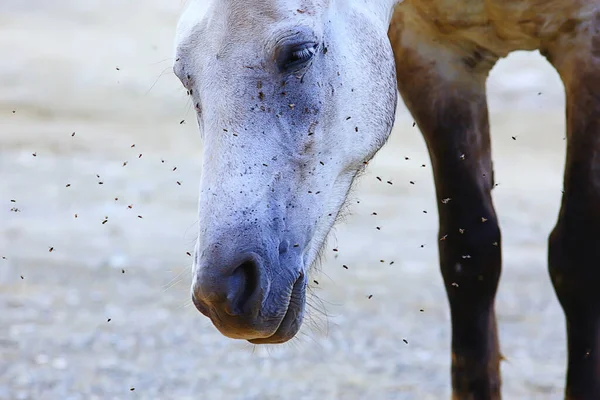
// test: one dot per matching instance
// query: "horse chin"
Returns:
(292, 320)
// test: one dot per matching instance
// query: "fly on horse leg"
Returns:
(444, 89)
(574, 245)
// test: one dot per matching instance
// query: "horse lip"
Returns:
(292, 320)
(200, 307)
(288, 325)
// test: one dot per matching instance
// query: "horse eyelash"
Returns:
(305, 53)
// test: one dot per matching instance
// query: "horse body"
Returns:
(307, 97)
(496, 26)
(443, 56)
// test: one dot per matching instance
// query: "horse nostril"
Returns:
(229, 285)
(244, 291)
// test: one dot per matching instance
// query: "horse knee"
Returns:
(574, 258)
(471, 256)
(484, 237)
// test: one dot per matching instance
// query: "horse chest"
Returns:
(500, 26)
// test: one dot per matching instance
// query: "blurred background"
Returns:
(99, 170)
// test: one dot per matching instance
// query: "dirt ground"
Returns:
(100, 310)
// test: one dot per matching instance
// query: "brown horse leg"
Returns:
(445, 92)
(574, 244)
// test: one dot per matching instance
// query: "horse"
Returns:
(294, 97)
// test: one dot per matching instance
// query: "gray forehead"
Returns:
(218, 21)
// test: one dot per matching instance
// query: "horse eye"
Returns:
(296, 57)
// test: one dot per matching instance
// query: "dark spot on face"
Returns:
(308, 147)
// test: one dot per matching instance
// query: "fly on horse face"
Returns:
(294, 97)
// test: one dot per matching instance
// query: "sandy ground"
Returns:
(59, 75)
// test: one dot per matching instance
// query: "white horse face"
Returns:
(293, 98)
